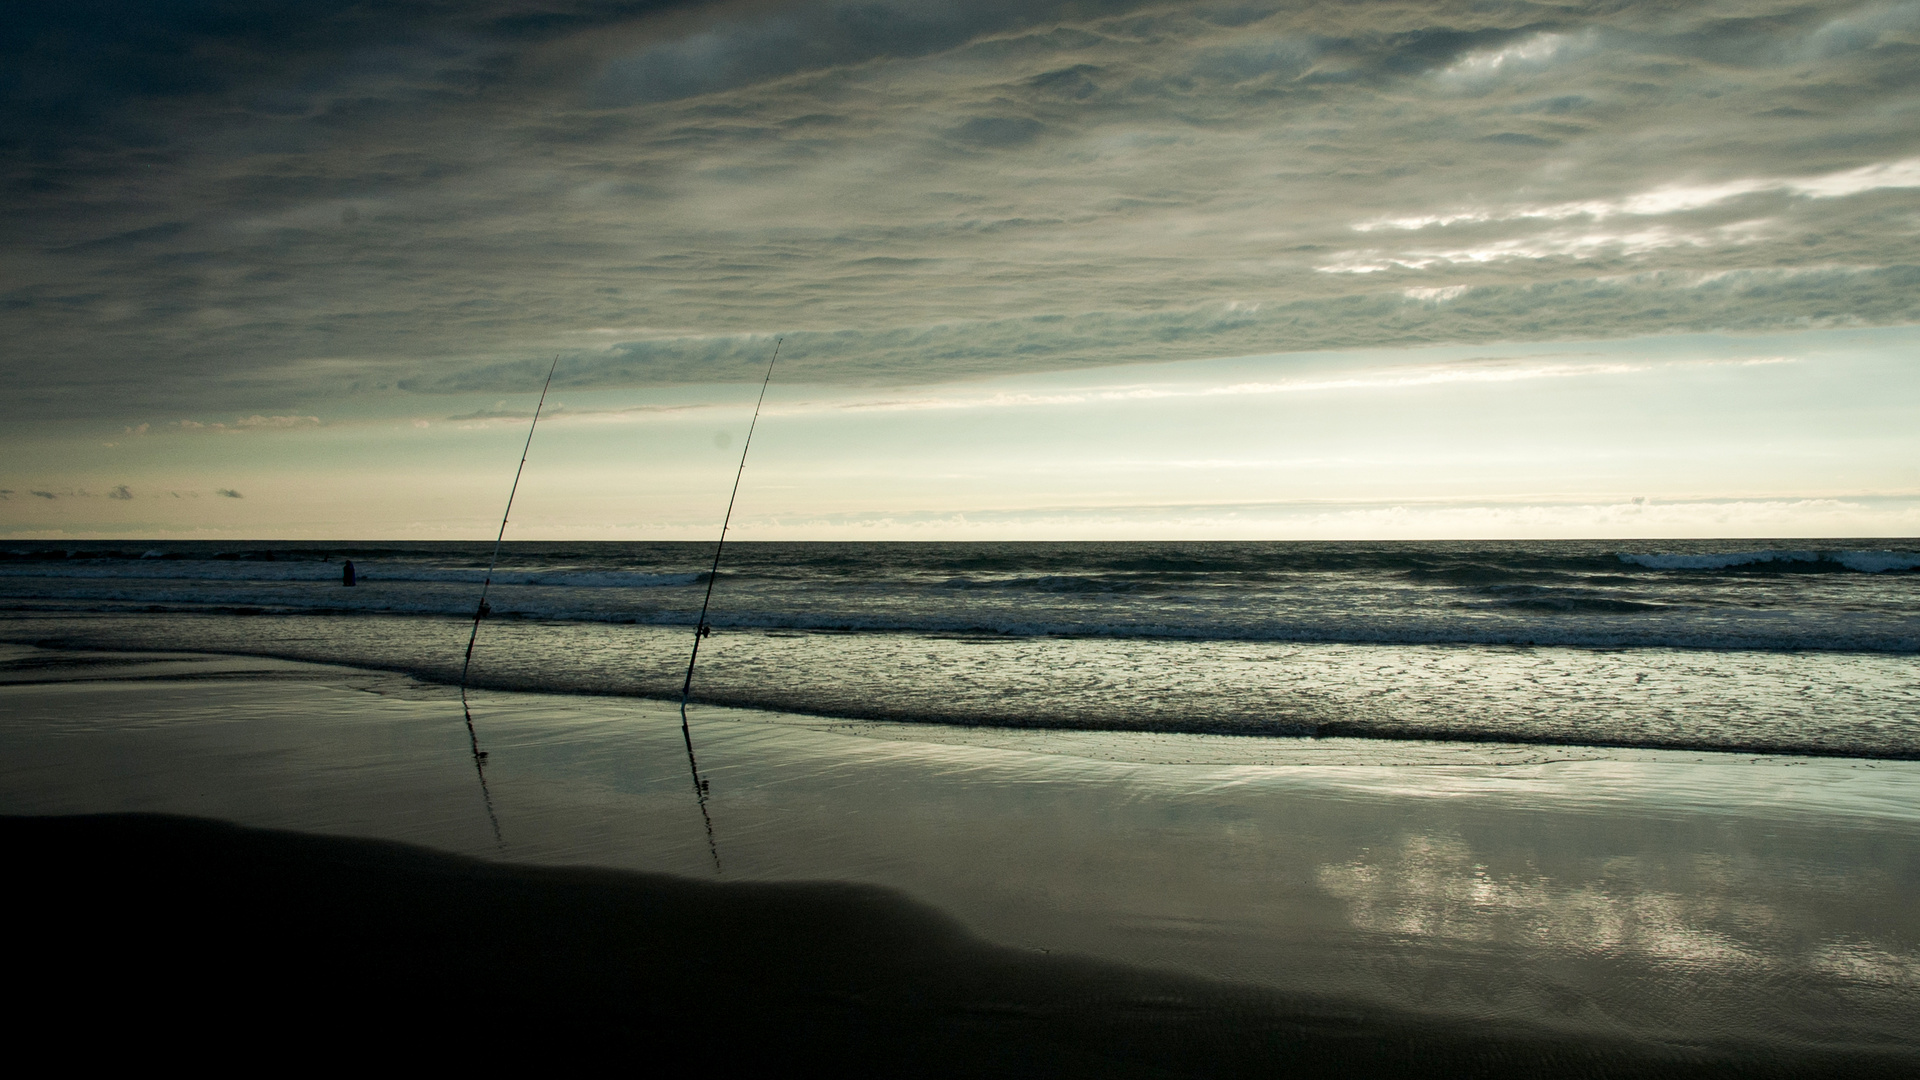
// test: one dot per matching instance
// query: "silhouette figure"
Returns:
(346, 573)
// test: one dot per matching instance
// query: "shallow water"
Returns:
(1657, 894)
(1838, 703)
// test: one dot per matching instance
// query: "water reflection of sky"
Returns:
(1433, 886)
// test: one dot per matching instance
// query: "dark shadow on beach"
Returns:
(185, 936)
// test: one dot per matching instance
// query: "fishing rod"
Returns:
(482, 611)
(700, 627)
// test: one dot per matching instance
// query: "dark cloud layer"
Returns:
(752, 45)
(258, 207)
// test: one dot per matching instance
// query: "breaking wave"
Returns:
(1865, 562)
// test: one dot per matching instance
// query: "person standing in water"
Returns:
(346, 573)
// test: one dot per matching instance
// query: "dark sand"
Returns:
(159, 938)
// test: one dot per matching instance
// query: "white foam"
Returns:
(1877, 562)
(1867, 562)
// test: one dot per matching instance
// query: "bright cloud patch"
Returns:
(1531, 54)
(1677, 198)
(255, 422)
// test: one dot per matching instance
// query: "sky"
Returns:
(1087, 270)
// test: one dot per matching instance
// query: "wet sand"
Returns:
(183, 934)
(971, 900)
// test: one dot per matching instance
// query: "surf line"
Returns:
(482, 611)
(701, 629)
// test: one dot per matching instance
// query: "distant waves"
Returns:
(1690, 595)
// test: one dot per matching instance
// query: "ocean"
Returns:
(1782, 647)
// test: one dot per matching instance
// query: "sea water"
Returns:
(1783, 647)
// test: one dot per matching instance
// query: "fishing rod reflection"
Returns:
(701, 787)
(480, 768)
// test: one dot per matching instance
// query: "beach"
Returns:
(1210, 538)
(1364, 906)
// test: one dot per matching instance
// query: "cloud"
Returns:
(493, 414)
(1395, 380)
(1439, 294)
(993, 131)
(1566, 243)
(346, 203)
(46, 495)
(1526, 55)
(258, 421)
(255, 422)
(1863, 28)
(1679, 198)
(1400, 377)
(228, 493)
(120, 492)
(562, 413)
(757, 45)
(1558, 308)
